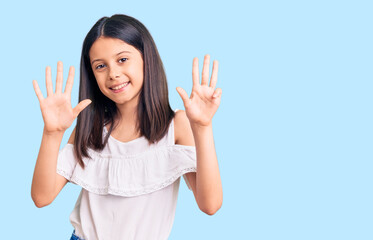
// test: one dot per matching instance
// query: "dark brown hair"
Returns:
(154, 112)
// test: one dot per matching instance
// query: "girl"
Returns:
(129, 148)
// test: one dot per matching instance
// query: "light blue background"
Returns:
(293, 132)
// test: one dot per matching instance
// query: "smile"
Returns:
(120, 87)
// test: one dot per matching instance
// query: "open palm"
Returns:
(58, 115)
(204, 100)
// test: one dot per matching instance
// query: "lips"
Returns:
(119, 86)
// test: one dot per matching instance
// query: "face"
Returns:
(118, 69)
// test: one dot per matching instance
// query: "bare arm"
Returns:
(46, 182)
(206, 182)
(199, 110)
(58, 115)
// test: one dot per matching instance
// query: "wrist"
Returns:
(53, 133)
(201, 127)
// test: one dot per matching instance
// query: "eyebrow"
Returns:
(115, 55)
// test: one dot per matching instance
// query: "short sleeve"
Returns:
(187, 153)
(127, 175)
(66, 161)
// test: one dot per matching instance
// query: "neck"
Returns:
(128, 114)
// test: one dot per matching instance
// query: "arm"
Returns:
(58, 115)
(46, 182)
(196, 129)
(205, 183)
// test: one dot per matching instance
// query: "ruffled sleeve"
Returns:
(66, 161)
(191, 150)
(128, 175)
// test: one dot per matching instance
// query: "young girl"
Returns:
(129, 148)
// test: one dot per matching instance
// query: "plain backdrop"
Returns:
(293, 133)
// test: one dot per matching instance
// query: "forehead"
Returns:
(105, 47)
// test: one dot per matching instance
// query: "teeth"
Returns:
(121, 86)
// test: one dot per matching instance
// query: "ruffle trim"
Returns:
(128, 176)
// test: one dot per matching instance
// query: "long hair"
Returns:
(154, 112)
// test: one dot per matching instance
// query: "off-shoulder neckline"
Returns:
(120, 142)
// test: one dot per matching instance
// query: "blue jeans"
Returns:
(74, 237)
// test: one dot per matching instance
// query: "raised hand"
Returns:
(204, 99)
(58, 115)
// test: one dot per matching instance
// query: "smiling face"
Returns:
(118, 69)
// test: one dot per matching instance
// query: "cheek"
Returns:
(140, 73)
(100, 81)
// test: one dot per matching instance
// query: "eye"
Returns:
(100, 66)
(122, 59)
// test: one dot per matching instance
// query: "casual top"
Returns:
(129, 189)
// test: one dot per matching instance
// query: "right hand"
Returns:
(58, 115)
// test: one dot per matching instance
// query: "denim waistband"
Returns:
(74, 237)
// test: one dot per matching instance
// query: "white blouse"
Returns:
(129, 190)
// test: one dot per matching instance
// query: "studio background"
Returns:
(293, 132)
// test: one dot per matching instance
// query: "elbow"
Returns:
(210, 205)
(40, 203)
(211, 209)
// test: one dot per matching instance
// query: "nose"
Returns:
(114, 72)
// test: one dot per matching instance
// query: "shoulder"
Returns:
(183, 130)
(72, 137)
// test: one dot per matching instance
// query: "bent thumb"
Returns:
(80, 107)
(183, 95)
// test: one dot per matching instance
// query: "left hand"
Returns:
(204, 99)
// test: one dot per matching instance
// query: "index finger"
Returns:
(70, 80)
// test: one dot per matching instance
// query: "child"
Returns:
(129, 148)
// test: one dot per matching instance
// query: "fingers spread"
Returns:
(205, 70)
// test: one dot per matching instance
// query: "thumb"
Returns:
(80, 107)
(217, 93)
(183, 95)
